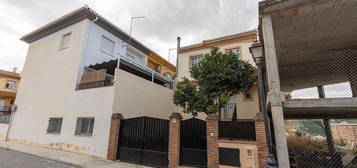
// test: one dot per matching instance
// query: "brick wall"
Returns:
(174, 140)
(346, 132)
(212, 141)
(261, 140)
(114, 136)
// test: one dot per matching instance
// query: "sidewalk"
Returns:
(84, 161)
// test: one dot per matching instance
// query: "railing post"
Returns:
(212, 141)
(174, 140)
(114, 136)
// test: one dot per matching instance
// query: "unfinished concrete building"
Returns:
(309, 44)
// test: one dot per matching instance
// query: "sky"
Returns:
(192, 20)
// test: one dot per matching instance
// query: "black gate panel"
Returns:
(130, 141)
(156, 142)
(193, 143)
(144, 140)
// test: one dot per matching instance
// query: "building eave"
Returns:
(250, 34)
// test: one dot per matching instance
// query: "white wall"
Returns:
(135, 97)
(47, 90)
(93, 54)
(3, 130)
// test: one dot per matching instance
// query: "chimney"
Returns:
(14, 69)
(177, 54)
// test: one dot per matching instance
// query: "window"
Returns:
(84, 126)
(54, 125)
(235, 51)
(107, 46)
(248, 94)
(65, 41)
(10, 84)
(195, 60)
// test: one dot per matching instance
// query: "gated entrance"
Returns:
(144, 140)
(193, 143)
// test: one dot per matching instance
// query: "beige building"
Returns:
(247, 103)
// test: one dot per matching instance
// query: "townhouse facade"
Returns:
(9, 82)
(80, 72)
(247, 103)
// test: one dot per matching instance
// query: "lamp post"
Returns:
(257, 53)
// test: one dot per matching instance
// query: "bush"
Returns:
(305, 143)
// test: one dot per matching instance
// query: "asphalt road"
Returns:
(14, 159)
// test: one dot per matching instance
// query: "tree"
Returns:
(216, 78)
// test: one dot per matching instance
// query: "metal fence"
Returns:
(302, 70)
(237, 130)
(312, 146)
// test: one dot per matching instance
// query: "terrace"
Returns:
(102, 74)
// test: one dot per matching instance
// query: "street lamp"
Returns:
(257, 53)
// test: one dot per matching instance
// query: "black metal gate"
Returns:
(144, 140)
(193, 143)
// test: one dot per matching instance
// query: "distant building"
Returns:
(9, 82)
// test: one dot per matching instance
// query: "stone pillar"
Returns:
(261, 140)
(174, 140)
(212, 141)
(114, 136)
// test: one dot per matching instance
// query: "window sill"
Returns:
(83, 135)
(112, 55)
(53, 133)
(62, 48)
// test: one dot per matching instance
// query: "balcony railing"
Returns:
(5, 109)
(88, 85)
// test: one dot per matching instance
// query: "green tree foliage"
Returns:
(216, 78)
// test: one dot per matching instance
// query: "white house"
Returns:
(80, 70)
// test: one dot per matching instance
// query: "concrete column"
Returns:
(212, 141)
(327, 126)
(174, 140)
(261, 140)
(114, 137)
(275, 96)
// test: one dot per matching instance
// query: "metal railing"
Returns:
(5, 108)
(153, 73)
(237, 130)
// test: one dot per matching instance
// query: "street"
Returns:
(14, 159)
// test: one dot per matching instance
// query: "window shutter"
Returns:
(78, 126)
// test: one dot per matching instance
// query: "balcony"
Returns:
(229, 112)
(102, 74)
(95, 78)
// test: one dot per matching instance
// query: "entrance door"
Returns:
(193, 143)
(144, 140)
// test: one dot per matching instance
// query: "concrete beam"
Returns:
(350, 102)
(275, 97)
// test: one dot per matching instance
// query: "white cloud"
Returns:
(193, 20)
